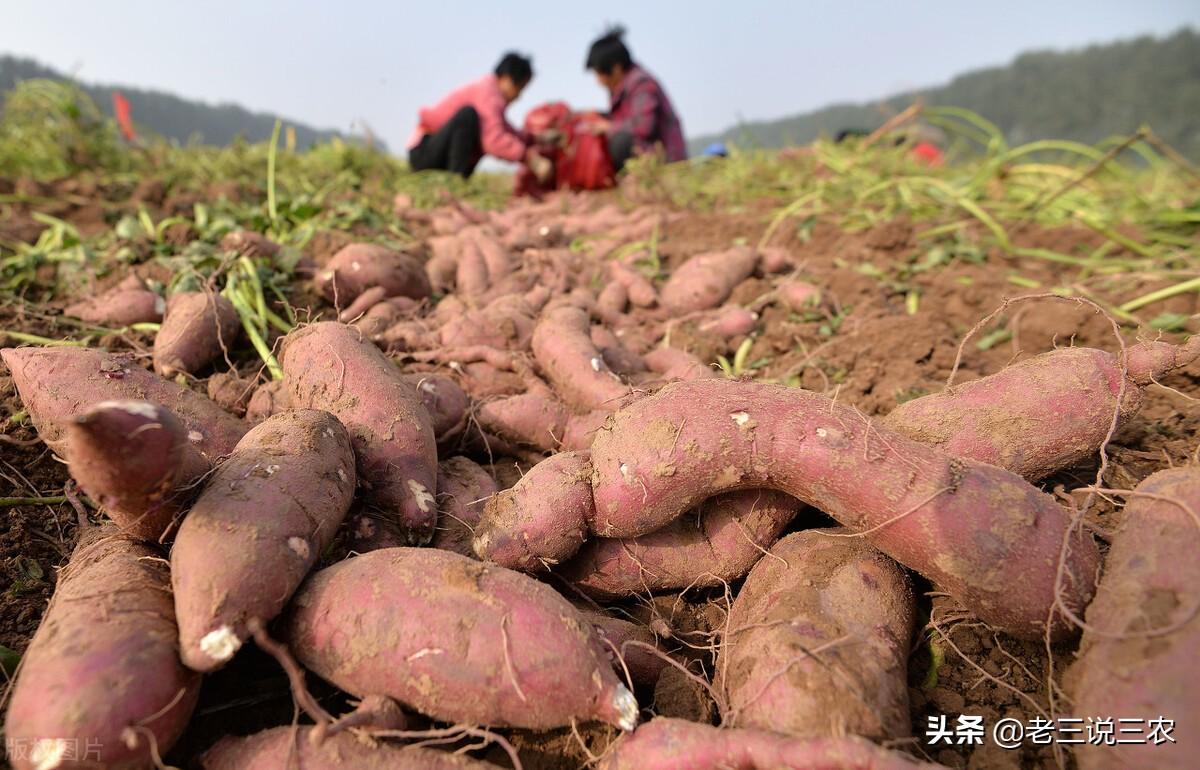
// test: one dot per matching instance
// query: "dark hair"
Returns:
(850, 133)
(517, 67)
(608, 52)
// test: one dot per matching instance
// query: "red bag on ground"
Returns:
(581, 159)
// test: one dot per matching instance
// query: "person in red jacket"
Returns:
(640, 118)
(454, 134)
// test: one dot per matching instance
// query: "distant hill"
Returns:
(1087, 94)
(172, 117)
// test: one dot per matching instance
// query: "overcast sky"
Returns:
(330, 64)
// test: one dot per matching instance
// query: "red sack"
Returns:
(581, 160)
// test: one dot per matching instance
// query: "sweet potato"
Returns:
(818, 640)
(581, 428)
(621, 360)
(707, 280)
(774, 259)
(463, 488)
(675, 364)
(59, 384)
(798, 296)
(197, 329)
(505, 322)
(644, 665)
(542, 520)
(249, 243)
(135, 460)
(282, 748)
(448, 406)
(676, 744)
(230, 391)
(102, 671)
(1137, 656)
(564, 351)
(129, 302)
(256, 530)
(471, 278)
(729, 322)
(327, 366)
(268, 399)
(491, 646)
(717, 543)
(406, 336)
(980, 533)
(612, 301)
(361, 266)
(1043, 414)
(383, 315)
(638, 288)
(535, 418)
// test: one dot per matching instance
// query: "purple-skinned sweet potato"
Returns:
(268, 399)
(817, 641)
(1137, 656)
(249, 243)
(677, 744)
(59, 384)
(328, 366)
(135, 460)
(716, 543)
(129, 302)
(540, 521)
(362, 266)
(491, 646)
(1040, 415)
(618, 635)
(198, 328)
(706, 280)
(257, 529)
(675, 364)
(463, 488)
(447, 404)
(980, 533)
(282, 748)
(102, 674)
(565, 352)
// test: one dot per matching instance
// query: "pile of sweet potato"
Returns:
(481, 453)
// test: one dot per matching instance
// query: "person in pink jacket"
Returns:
(454, 134)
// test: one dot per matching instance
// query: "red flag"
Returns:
(124, 116)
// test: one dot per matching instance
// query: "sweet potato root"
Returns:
(675, 364)
(463, 488)
(197, 329)
(542, 520)
(360, 267)
(981, 533)
(639, 290)
(293, 747)
(249, 243)
(818, 640)
(264, 517)
(1137, 656)
(707, 280)
(644, 665)
(135, 460)
(448, 406)
(102, 671)
(232, 392)
(129, 302)
(676, 744)
(717, 543)
(1043, 414)
(328, 366)
(59, 384)
(268, 399)
(564, 350)
(492, 646)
